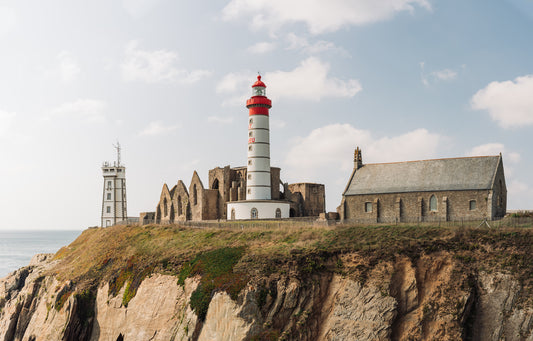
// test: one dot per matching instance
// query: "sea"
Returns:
(18, 247)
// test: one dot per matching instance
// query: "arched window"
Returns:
(232, 214)
(433, 203)
(194, 194)
(165, 208)
(278, 213)
(253, 213)
(158, 215)
(172, 213)
(180, 211)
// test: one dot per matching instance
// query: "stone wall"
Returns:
(229, 184)
(415, 206)
(196, 196)
(313, 196)
(499, 198)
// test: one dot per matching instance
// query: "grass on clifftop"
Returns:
(124, 256)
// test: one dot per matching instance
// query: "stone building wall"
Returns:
(415, 206)
(196, 197)
(180, 200)
(499, 199)
(229, 184)
(312, 196)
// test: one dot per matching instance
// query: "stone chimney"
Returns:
(358, 158)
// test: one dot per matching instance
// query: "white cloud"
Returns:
(445, 75)
(436, 76)
(494, 149)
(326, 154)
(8, 20)
(510, 103)
(68, 67)
(156, 66)
(89, 110)
(310, 81)
(6, 122)
(330, 149)
(301, 43)
(234, 83)
(262, 47)
(319, 17)
(157, 128)
(220, 120)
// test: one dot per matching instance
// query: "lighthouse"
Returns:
(258, 168)
(258, 203)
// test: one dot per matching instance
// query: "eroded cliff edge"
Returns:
(167, 283)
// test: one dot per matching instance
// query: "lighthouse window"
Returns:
(250, 148)
(251, 121)
(249, 162)
(251, 133)
(259, 91)
(253, 213)
(249, 176)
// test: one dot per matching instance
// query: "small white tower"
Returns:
(114, 208)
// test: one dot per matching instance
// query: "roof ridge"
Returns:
(445, 158)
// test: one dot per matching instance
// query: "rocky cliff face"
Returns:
(431, 297)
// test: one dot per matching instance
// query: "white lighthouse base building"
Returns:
(258, 209)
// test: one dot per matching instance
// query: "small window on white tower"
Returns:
(251, 121)
(250, 148)
(108, 209)
(108, 196)
(250, 134)
(249, 176)
(253, 213)
(249, 162)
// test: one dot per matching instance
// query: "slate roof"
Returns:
(467, 173)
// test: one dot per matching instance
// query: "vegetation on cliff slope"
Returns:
(225, 258)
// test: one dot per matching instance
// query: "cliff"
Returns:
(349, 283)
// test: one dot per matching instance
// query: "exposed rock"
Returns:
(429, 298)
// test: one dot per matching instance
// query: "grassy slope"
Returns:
(125, 255)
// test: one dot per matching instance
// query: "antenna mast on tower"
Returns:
(117, 147)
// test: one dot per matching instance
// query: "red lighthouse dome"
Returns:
(259, 82)
(258, 104)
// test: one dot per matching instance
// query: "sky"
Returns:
(402, 79)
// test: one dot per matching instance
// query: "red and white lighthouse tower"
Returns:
(258, 203)
(258, 169)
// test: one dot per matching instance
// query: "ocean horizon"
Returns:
(17, 247)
